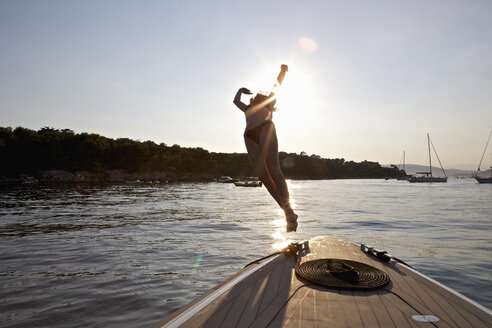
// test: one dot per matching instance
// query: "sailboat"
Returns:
(485, 180)
(427, 177)
(489, 179)
(405, 177)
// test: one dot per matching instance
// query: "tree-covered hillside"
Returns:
(28, 152)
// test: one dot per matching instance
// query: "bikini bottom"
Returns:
(254, 133)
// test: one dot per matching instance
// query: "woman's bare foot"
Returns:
(291, 219)
(292, 224)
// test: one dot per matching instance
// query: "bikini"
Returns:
(254, 133)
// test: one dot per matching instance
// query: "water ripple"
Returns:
(126, 256)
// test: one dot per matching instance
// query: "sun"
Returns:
(296, 103)
(297, 100)
(297, 90)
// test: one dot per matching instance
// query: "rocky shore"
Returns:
(112, 176)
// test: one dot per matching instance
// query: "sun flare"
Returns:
(296, 95)
(295, 91)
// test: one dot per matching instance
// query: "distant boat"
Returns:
(427, 177)
(30, 181)
(405, 177)
(248, 182)
(489, 179)
(225, 179)
(485, 180)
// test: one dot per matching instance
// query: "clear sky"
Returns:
(367, 79)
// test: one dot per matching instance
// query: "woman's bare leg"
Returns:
(269, 149)
(258, 163)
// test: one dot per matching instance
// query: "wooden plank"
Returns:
(403, 285)
(364, 309)
(338, 318)
(397, 277)
(275, 309)
(458, 310)
(350, 308)
(308, 306)
(200, 319)
(291, 317)
(427, 294)
(278, 319)
(425, 298)
(213, 315)
(382, 316)
(254, 301)
(436, 304)
(246, 301)
(170, 318)
(215, 320)
(324, 310)
(462, 313)
(237, 309)
(274, 313)
(400, 312)
(275, 286)
(274, 303)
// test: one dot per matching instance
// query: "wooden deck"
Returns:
(273, 296)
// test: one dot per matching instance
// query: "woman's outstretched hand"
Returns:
(284, 67)
(245, 91)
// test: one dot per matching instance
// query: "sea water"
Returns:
(128, 255)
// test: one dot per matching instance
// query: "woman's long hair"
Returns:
(262, 100)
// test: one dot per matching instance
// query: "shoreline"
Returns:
(122, 177)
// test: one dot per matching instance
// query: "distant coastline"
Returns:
(61, 156)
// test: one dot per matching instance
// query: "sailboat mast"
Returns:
(403, 160)
(484, 151)
(430, 163)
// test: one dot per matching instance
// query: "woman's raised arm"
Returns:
(280, 78)
(237, 99)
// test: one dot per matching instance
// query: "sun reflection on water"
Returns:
(279, 239)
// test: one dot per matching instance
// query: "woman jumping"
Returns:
(261, 142)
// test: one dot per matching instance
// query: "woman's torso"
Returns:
(256, 115)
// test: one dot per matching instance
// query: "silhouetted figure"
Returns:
(261, 142)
